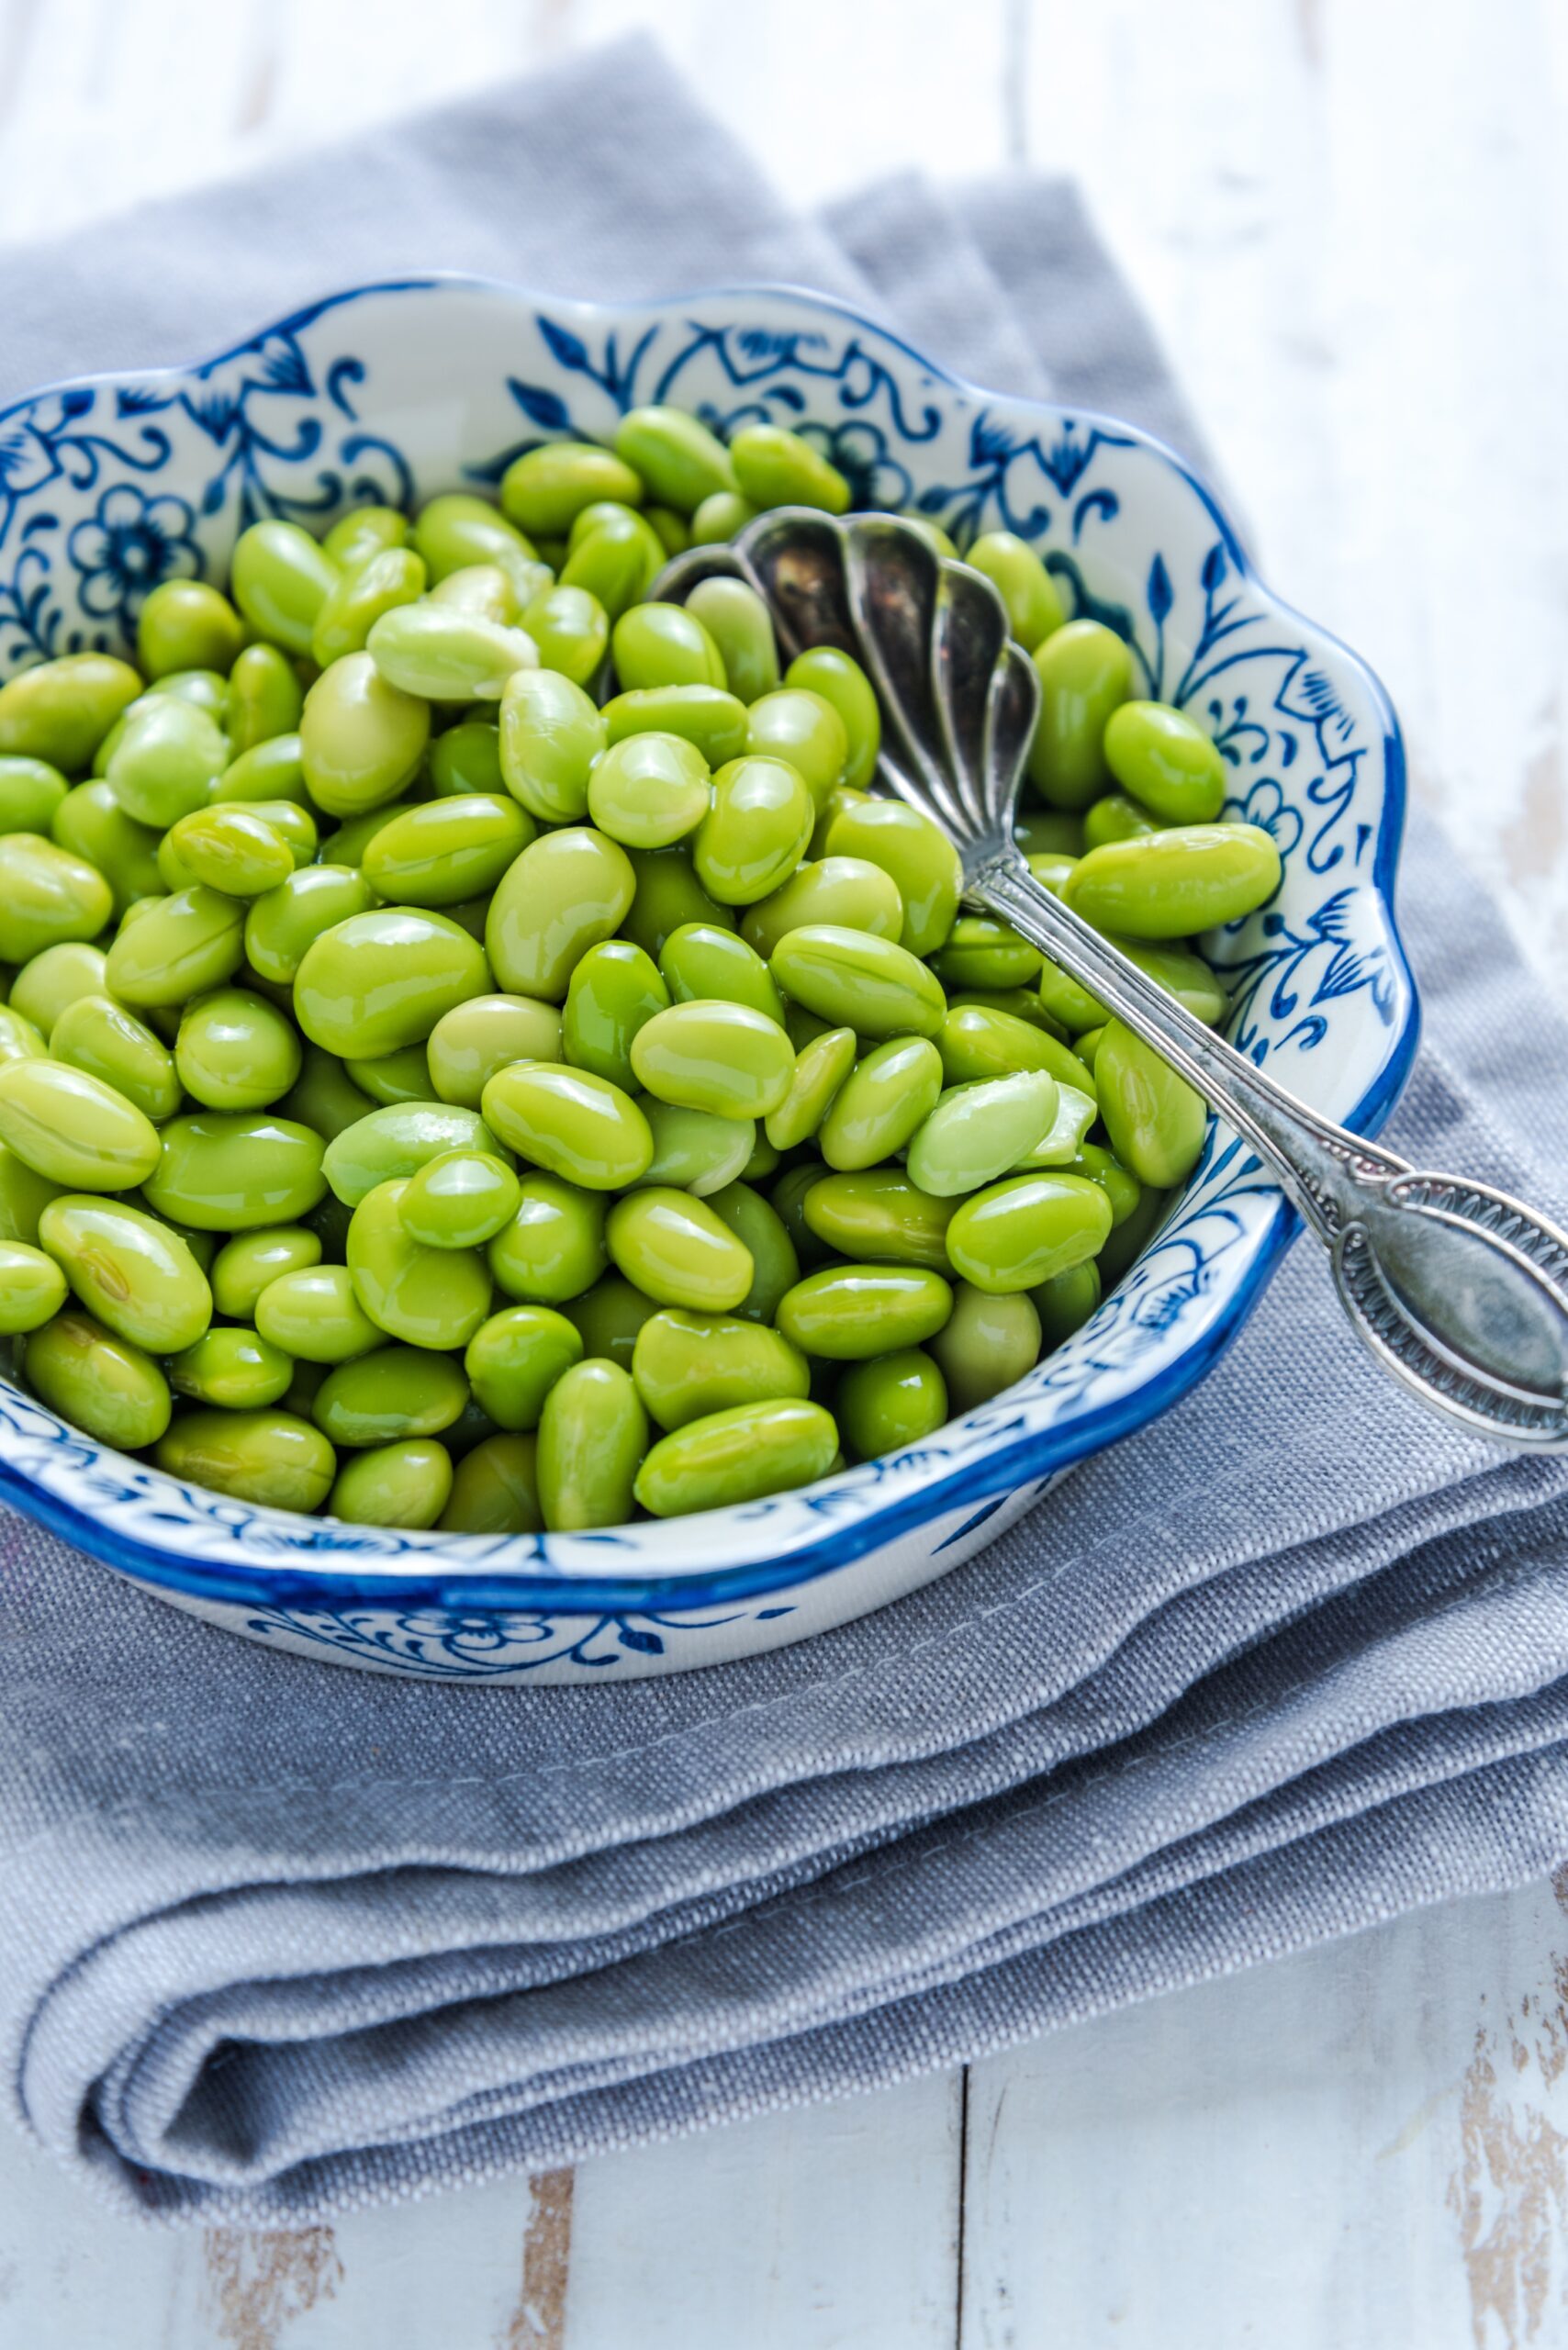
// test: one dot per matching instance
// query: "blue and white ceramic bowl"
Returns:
(395, 391)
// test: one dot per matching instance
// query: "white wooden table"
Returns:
(1351, 220)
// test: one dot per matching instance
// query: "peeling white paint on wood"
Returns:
(1351, 222)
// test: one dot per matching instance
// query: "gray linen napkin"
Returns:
(278, 1938)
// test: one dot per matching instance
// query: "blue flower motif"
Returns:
(1266, 807)
(127, 546)
(860, 450)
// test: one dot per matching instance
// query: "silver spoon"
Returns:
(1459, 1290)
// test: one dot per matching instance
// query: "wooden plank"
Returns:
(1367, 2145)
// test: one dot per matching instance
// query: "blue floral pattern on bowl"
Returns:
(393, 392)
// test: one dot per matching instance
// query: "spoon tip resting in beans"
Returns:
(477, 1054)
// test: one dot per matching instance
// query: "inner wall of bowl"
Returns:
(396, 393)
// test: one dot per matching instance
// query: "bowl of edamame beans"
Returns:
(516, 1161)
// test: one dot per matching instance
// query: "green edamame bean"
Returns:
(918, 857)
(570, 1123)
(23, 1195)
(73, 1128)
(550, 736)
(46, 896)
(1181, 973)
(649, 791)
(702, 962)
(849, 892)
(438, 651)
(269, 772)
(664, 645)
(396, 1484)
(821, 1069)
(91, 824)
(554, 1248)
(236, 1051)
(284, 922)
(755, 831)
(348, 844)
(855, 980)
(381, 980)
(788, 1198)
(31, 795)
(105, 1041)
(1025, 586)
(1115, 818)
(364, 533)
(1066, 1302)
(1122, 1189)
(688, 1365)
(978, 1041)
(736, 1456)
(711, 719)
(55, 979)
(838, 679)
(681, 462)
(805, 730)
(271, 1457)
(695, 1150)
(208, 689)
(455, 531)
(364, 592)
(989, 1343)
(233, 1369)
(98, 1382)
(494, 1489)
(1016, 1234)
(20, 1038)
(849, 1313)
(677, 1249)
(1050, 832)
(393, 1078)
(1175, 883)
(249, 1263)
(60, 710)
(878, 1217)
(325, 1097)
(128, 1270)
(667, 896)
(281, 576)
(1085, 674)
(893, 1401)
(311, 1313)
(1076, 1112)
(722, 515)
(775, 467)
(1166, 763)
(429, 1297)
(514, 1360)
(608, 1317)
(264, 698)
(32, 1288)
(470, 1043)
(1155, 1120)
(709, 1055)
(742, 627)
(185, 624)
(227, 1172)
(887, 1096)
(616, 561)
(383, 1398)
(393, 1142)
(361, 738)
(980, 952)
(593, 1432)
(936, 537)
(467, 758)
(570, 629)
(545, 490)
(763, 1233)
(673, 531)
(236, 850)
(178, 947)
(566, 891)
(612, 992)
(977, 1132)
(446, 851)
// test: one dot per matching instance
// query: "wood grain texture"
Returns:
(1350, 223)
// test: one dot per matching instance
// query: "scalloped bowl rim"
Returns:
(470, 1573)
